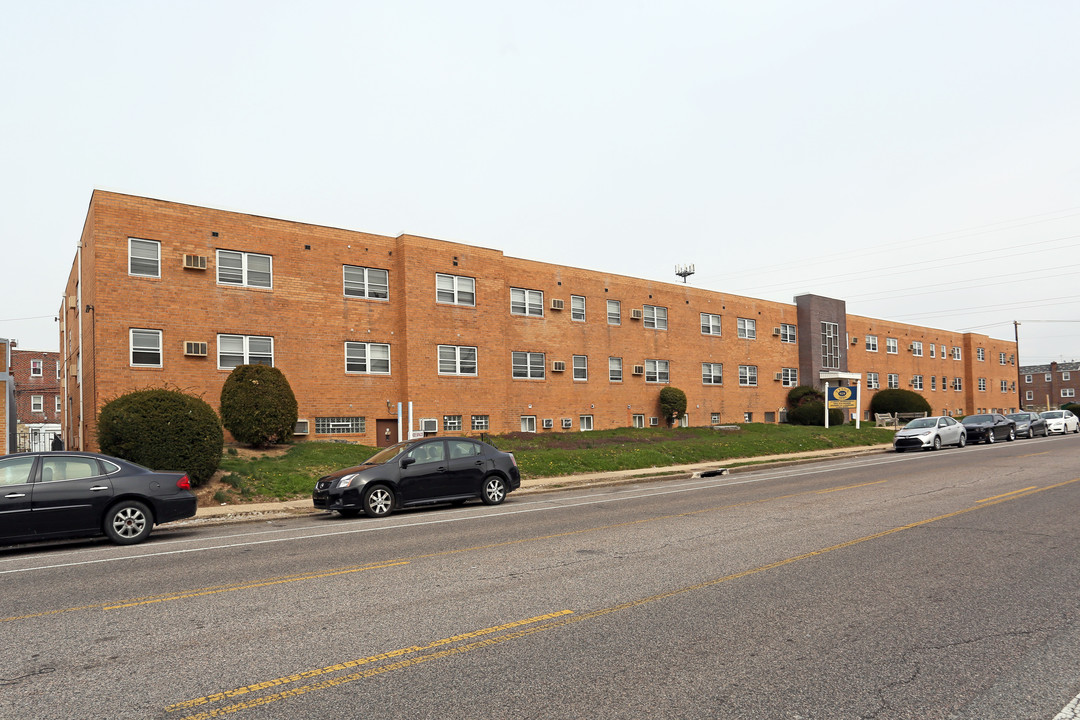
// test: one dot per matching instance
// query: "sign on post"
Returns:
(843, 398)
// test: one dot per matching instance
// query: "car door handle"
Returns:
(15, 495)
(442, 468)
(479, 462)
(99, 487)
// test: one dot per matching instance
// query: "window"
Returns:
(480, 422)
(1004, 386)
(528, 423)
(714, 419)
(1066, 376)
(16, 470)
(710, 324)
(581, 367)
(655, 317)
(145, 348)
(614, 312)
(933, 349)
(245, 269)
(891, 346)
(68, 468)
(236, 350)
(577, 308)
(1001, 358)
(35, 368)
(980, 354)
(57, 369)
(916, 349)
(370, 358)
(956, 353)
(1068, 392)
(748, 417)
(933, 382)
(1029, 395)
(455, 290)
(527, 302)
(639, 421)
(830, 345)
(340, 425)
(527, 365)
(871, 343)
(788, 333)
(747, 329)
(712, 373)
(893, 381)
(1047, 377)
(144, 258)
(656, 371)
(614, 366)
(982, 384)
(872, 381)
(748, 375)
(916, 382)
(958, 384)
(451, 423)
(59, 404)
(789, 377)
(463, 448)
(585, 422)
(457, 360)
(1027, 378)
(37, 403)
(363, 282)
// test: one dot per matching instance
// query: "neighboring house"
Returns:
(7, 399)
(38, 404)
(1045, 387)
(165, 294)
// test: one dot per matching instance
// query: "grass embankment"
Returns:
(293, 474)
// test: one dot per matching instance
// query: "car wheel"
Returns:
(378, 501)
(494, 490)
(899, 449)
(937, 442)
(128, 522)
(1075, 429)
(1012, 435)
(962, 441)
(991, 437)
(349, 512)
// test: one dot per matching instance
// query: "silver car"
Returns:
(1061, 421)
(930, 432)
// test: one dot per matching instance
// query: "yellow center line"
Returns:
(1033, 454)
(576, 618)
(849, 487)
(1014, 492)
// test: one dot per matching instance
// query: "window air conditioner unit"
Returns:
(548, 423)
(558, 366)
(636, 313)
(194, 262)
(195, 349)
(639, 369)
(778, 376)
(72, 302)
(429, 425)
(854, 341)
(776, 331)
(556, 304)
(911, 346)
(567, 423)
(300, 428)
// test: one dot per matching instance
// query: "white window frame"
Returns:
(956, 355)
(872, 381)
(958, 384)
(1002, 359)
(585, 423)
(1004, 386)
(530, 302)
(789, 377)
(577, 308)
(657, 371)
(916, 348)
(533, 365)
(893, 381)
(1027, 378)
(528, 423)
(145, 333)
(245, 352)
(637, 420)
(37, 403)
(146, 258)
(789, 333)
(59, 404)
(980, 354)
(655, 317)
(1029, 395)
(933, 350)
(747, 328)
(982, 384)
(933, 382)
(917, 382)
(245, 269)
(368, 359)
(580, 364)
(615, 369)
(710, 324)
(892, 346)
(1065, 375)
(362, 286)
(457, 359)
(36, 368)
(456, 293)
(1068, 392)
(871, 343)
(748, 376)
(614, 312)
(1048, 377)
(712, 373)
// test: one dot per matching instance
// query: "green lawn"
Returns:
(293, 474)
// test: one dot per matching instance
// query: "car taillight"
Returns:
(183, 483)
(513, 459)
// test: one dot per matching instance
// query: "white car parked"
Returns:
(930, 432)
(1061, 421)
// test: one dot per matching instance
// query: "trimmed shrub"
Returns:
(894, 401)
(672, 403)
(258, 406)
(804, 393)
(812, 412)
(163, 429)
(1074, 407)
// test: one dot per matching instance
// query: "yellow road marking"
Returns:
(1033, 454)
(849, 487)
(575, 618)
(1014, 492)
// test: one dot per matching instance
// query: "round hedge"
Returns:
(804, 393)
(258, 406)
(672, 402)
(894, 401)
(812, 412)
(163, 430)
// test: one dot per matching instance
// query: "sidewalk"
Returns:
(303, 506)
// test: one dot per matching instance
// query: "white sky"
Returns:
(917, 158)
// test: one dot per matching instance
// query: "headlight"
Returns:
(346, 481)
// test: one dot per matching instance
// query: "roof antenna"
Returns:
(684, 271)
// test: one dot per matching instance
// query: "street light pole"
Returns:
(1016, 335)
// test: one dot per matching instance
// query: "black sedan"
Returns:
(68, 494)
(420, 472)
(990, 427)
(1029, 424)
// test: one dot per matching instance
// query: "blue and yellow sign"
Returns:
(843, 398)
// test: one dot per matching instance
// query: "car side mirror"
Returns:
(406, 462)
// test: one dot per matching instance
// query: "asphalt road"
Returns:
(922, 585)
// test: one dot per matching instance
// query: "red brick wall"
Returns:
(27, 386)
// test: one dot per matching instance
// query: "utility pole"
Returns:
(1016, 335)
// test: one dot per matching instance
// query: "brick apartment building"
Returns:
(1046, 387)
(167, 294)
(7, 400)
(38, 404)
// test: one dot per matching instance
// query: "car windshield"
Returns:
(1053, 414)
(387, 454)
(972, 419)
(921, 423)
(1019, 416)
